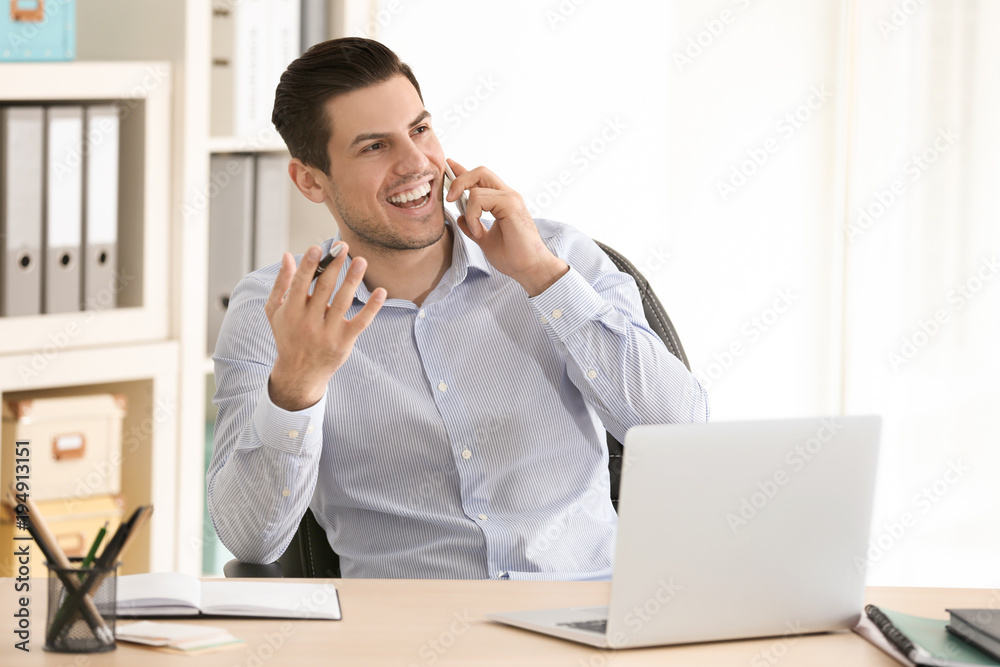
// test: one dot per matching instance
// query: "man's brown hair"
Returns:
(325, 71)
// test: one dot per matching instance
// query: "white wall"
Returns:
(687, 95)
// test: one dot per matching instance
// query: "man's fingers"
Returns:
(281, 284)
(456, 167)
(344, 297)
(480, 200)
(360, 322)
(466, 179)
(328, 279)
(304, 275)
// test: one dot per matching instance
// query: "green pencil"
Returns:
(93, 549)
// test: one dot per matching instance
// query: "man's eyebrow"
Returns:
(361, 138)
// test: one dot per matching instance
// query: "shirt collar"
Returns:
(465, 255)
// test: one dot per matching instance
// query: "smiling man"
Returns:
(439, 395)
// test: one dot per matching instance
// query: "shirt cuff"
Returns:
(289, 432)
(568, 304)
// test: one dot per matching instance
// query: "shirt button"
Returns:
(421, 314)
(482, 517)
(293, 434)
(591, 373)
(286, 493)
(466, 454)
(443, 386)
(309, 430)
(556, 314)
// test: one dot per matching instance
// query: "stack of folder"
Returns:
(248, 224)
(58, 208)
(252, 43)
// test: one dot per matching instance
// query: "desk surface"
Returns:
(423, 623)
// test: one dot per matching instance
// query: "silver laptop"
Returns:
(730, 530)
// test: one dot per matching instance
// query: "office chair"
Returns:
(309, 553)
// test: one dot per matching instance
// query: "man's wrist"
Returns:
(292, 395)
(544, 277)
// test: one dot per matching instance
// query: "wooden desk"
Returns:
(422, 623)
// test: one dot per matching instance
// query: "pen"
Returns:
(913, 653)
(326, 261)
(119, 542)
(93, 548)
(49, 547)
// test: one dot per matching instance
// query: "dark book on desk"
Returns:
(979, 627)
(918, 641)
(174, 594)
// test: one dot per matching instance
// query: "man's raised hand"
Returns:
(313, 339)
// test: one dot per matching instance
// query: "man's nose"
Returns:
(412, 159)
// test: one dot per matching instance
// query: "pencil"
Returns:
(47, 543)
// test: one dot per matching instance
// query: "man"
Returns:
(439, 396)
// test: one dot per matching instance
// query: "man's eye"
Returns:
(422, 129)
(374, 147)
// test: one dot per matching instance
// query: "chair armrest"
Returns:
(236, 569)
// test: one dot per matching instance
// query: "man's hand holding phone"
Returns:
(512, 245)
(313, 339)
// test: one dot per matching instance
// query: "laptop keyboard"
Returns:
(600, 626)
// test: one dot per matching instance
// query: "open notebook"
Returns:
(175, 594)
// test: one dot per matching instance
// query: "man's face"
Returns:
(382, 150)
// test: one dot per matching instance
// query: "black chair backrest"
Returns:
(309, 553)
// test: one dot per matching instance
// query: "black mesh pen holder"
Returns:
(81, 610)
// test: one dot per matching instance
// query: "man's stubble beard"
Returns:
(378, 235)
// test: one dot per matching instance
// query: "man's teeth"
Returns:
(416, 193)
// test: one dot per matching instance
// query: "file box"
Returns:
(75, 446)
(74, 523)
(37, 30)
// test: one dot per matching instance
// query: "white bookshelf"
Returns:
(153, 351)
(146, 373)
(143, 91)
(125, 349)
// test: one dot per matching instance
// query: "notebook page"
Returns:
(276, 599)
(158, 589)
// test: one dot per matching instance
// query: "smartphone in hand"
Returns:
(449, 176)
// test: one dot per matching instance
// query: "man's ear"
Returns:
(307, 180)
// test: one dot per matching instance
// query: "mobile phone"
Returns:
(449, 176)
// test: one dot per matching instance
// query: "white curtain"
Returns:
(922, 299)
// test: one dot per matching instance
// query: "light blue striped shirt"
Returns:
(463, 439)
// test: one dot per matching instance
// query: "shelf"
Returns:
(147, 375)
(143, 91)
(272, 143)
